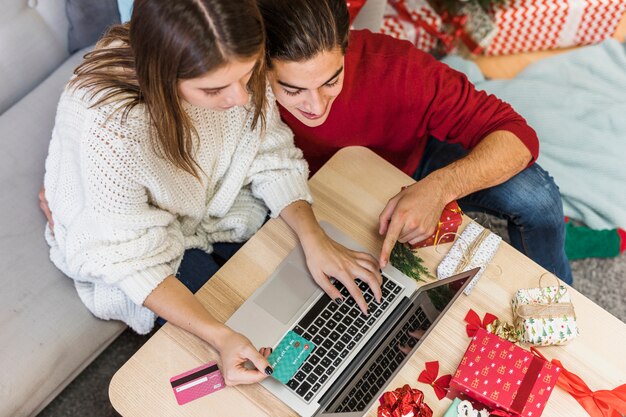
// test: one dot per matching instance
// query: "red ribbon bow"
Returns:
(601, 403)
(429, 376)
(474, 322)
(457, 22)
(404, 402)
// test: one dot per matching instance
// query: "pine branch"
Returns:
(408, 262)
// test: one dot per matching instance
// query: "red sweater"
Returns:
(394, 96)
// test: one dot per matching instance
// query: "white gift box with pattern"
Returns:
(544, 316)
(475, 247)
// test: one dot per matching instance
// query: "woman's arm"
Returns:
(327, 258)
(175, 303)
(278, 176)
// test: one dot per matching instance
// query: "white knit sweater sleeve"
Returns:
(106, 230)
(279, 172)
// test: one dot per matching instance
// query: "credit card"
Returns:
(287, 357)
(198, 382)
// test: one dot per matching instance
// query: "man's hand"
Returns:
(410, 216)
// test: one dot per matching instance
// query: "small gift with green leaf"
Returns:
(544, 316)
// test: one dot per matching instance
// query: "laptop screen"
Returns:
(391, 347)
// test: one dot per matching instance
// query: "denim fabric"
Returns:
(530, 202)
(197, 266)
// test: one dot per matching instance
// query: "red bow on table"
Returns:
(601, 403)
(404, 402)
(429, 376)
(474, 322)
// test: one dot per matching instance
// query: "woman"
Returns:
(155, 152)
(418, 114)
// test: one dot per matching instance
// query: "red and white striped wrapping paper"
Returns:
(533, 25)
(411, 25)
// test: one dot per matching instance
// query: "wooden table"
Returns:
(350, 191)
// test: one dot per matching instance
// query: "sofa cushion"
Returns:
(88, 20)
(33, 43)
(48, 335)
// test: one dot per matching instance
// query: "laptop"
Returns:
(355, 356)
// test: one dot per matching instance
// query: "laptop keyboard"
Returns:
(336, 329)
(381, 369)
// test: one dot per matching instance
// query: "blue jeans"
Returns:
(197, 266)
(530, 202)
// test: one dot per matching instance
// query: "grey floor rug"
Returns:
(602, 280)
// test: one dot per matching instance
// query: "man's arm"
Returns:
(494, 160)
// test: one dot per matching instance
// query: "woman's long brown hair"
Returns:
(166, 41)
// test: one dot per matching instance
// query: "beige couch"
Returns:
(47, 336)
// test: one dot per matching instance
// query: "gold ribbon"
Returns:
(544, 310)
(468, 254)
(504, 330)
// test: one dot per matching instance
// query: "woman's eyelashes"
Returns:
(296, 92)
(212, 92)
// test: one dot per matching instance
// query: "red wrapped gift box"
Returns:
(354, 7)
(449, 223)
(502, 375)
(533, 25)
(415, 21)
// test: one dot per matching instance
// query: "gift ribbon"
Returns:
(544, 310)
(504, 330)
(474, 323)
(403, 13)
(458, 23)
(536, 364)
(429, 376)
(468, 255)
(404, 402)
(601, 403)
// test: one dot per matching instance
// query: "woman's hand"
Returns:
(43, 204)
(327, 258)
(235, 350)
(410, 216)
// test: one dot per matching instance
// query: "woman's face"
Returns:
(307, 89)
(220, 89)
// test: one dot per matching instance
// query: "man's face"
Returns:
(307, 89)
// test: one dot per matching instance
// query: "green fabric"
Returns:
(453, 410)
(583, 242)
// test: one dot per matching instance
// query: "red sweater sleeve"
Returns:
(456, 112)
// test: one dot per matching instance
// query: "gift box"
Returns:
(533, 25)
(354, 7)
(415, 21)
(475, 247)
(502, 375)
(544, 316)
(448, 224)
(464, 408)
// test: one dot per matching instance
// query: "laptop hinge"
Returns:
(364, 353)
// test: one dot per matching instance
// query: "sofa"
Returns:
(47, 335)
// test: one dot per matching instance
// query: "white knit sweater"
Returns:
(123, 215)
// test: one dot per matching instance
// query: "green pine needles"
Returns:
(408, 262)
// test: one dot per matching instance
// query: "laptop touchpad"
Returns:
(287, 292)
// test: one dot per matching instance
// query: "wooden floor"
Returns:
(507, 66)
